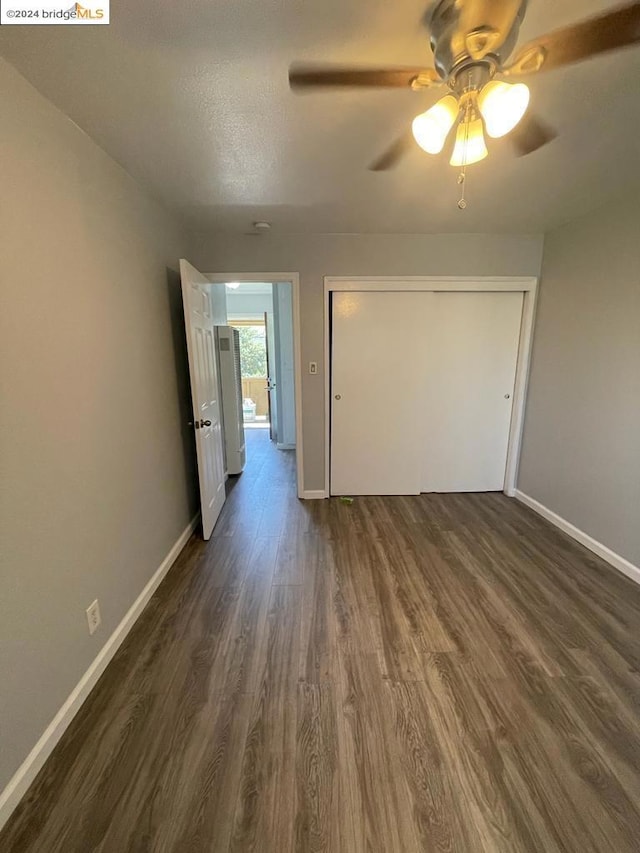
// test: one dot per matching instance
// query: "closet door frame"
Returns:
(527, 285)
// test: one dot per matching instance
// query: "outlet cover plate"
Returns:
(93, 616)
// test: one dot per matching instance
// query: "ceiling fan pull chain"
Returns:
(461, 182)
(462, 177)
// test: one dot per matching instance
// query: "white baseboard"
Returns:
(623, 565)
(285, 446)
(31, 766)
(314, 495)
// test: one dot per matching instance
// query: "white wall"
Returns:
(581, 447)
(315, 256)
(248, 306)
(96, 456)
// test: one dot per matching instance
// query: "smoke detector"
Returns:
(261, 225)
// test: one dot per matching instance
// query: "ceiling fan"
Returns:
(473, 43)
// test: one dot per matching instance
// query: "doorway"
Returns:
(264, 310)
(256, 407)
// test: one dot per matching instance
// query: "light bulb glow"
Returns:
(470, 146)
(502, 106)
(233, 285)
(430, 129)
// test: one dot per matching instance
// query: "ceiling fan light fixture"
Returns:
(430, 129)
(470, 146)
(502, 106)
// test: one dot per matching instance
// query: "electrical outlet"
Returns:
(93, 616)
(313, 367)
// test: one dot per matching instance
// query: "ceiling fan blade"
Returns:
(530, 134)
(394, 153)
(611, 31)
(318, 76)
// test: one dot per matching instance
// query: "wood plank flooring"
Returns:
(433, 673)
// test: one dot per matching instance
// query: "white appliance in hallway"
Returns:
(198, 303)
(422, 390)
(228, 350)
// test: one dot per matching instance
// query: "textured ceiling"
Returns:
(192, 99)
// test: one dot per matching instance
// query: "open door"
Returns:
(203, 371)
(271, 376)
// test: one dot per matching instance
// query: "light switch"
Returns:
(313, 367)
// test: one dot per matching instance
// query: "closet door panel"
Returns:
(469, 387)
(378, 365)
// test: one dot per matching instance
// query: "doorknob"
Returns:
(205, 423)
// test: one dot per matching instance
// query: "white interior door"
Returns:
(284, 354)
(203, 370)
(377, 361)
(272, 374)
(472, 353)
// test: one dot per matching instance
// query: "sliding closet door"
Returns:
(377, 378)
(422, 391)
(469, 391)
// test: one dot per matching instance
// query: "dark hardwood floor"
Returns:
(433, 673)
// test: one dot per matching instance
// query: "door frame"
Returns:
(266, 352)
(527, 285)
(292, 278)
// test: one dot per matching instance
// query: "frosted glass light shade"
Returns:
(470, 146)
(502, 106)
(430, 129)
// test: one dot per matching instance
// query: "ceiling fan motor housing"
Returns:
(467, 32)
(471, 77)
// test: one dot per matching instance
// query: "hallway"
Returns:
(432, 673)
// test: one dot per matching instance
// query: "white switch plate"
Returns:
(313, 367)
(93, 616)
